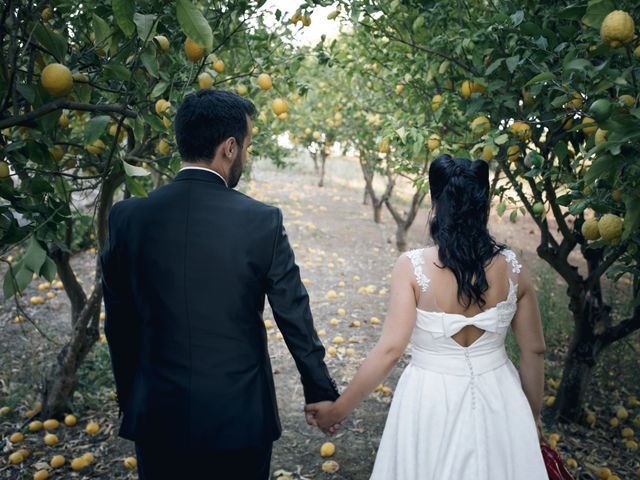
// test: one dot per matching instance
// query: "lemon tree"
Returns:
(548, 94)
(88, 94)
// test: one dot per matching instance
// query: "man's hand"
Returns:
(324, 416)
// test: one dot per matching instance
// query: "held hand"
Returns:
(326, 417)
(541, 436)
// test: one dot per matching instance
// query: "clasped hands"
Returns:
(325, 416)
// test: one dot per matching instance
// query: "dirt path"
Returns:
(335, 241)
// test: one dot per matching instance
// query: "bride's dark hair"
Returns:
(460, 194)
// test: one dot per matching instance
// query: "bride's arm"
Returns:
(396, 333)
(527, 329)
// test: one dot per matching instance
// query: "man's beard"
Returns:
(236, 170)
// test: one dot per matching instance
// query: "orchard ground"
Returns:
(335, 240)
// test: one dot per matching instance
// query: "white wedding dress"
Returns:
(459, 413)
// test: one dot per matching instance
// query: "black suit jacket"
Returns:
(185, 273)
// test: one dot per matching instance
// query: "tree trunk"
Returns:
(323, 161)
(314, 157)
(377, 212)
(401, 237)
(365, 196)
(62, 378)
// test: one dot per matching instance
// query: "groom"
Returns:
(185, 274)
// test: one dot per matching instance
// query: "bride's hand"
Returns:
(327, 418)
(541, 436)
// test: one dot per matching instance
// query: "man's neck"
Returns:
(207, 166)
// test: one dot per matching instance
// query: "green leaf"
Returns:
(492, 68)
(601, 165)
(402, 133)
(632, 217)
(501, 139)
(27, 92)
(573, 13)
(133, 171)
(512, 63)
(116, 72)
(193, 24)
(512, 217)
(135, 187)
(149, 60)
(541, 77)
(20, 279)
(48, 269)
(123, 11)
(418, 23)
(502, 207)
(51, 41)
(144, 24)
(95, 127)
(159, 89)
(517, 18)
(578, 64)
(596, 11)
(34, 255)
(102, 31)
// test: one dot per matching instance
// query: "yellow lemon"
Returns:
(589, 126)
(610, 228)
(193, 51)
(487, 153)
(434, 142)
(57, 461)
(96, 147)
(331, 351)
(628, 100)
(279, 105)
(330, 466)
(513, 153)
(88, 457)
(205, 80)
(264, 81)
(242, 90)
(130, 463)
(51, 439)
(331, 295)
(617, 29)
(4, 170)
(16, 437)
(480, 125)
(572, 463)
(338, 340)
(590, 229)
(41, 475)
(615, 222)
(70, 420)
(63, 121)
(78, 464)
(46, 14)
(334, 322)
(327, 449)
(627, 432)
(16, 458)
(567, 123)
(383, 146)
(92, 428)
(51, 424)
(374, 321)
(163, 42)
(35, 426)
(601, 136)
(163, 147)
(436, 102)
(218, 66)
(521, 130)
(57, 79)
(162, 106)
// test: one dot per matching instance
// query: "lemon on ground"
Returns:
(521, 130)
(205, 80)
(621, 412)
(571, 462)
(331, 351)
(92, 428)
(331, 295)
(591, 419)
(334, 322)
(51, 439)
(600, 137)
(610, 228)
(627, 432)
(374, 321)
(218, 66)
(193, 51)
(480, 125)
(330, 466)
(41, 475)
(434, 142)
(338, 340)
(327, 449)
(130, 463)
(51, 424)
(264, 81)
(322, 333)
(279, 105)
(617, 29)
(57, 79)
(57, 461)
(163, 42)
(5, 410)
(88, 457)
(70, 420)
(436, 102)
(78, 464)
(614, 422)
(16, 437)
(355, 324)
(16, 458)
(35, 426)
(590, 229)
(604, 473)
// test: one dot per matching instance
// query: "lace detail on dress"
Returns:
(417, 260)
(511, 258)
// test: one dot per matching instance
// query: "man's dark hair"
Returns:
(208, 117)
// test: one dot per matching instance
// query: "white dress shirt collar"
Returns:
(206, 170)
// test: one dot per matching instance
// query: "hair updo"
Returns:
(460, 195)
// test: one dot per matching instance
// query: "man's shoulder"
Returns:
(255, 205)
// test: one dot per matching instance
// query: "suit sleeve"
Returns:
(290, 304)
(121, 326)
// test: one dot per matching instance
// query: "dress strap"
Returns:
(417, 260)
(511, 258)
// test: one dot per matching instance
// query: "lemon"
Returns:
(330, 466)
(5, 410)
(621, 413)
(333, 15)
(383, 146)
(590, 229)
(436, 102)
(575, 103)
(465, 88)
(513, 153)
(399, 88)
(205, 80)
(617, 29)
(628, 100)
(264, 81)
(567, 123)
(46, 15)
(331, 351)
(163, 147)
(51, 439)
(4, 170)
(627, 432)
(527, 98)
(550, 399)
(374, 321)
(610, 228)
(487, 153)
(78, 464)
(63, 121)
(306, 21)
(57, 79)
(70, 420)
(521, 130)
(434, 142)
(16, 437)
(338, 340)
(327, 449)
(36, 425)
(331, 295)
(600, 137)
(600, 109)
(571, 462)
(16, 458)
(218, 66)
(589, 126)
(57, 461)
(130, 463)
(162, 106)
(604, 473)
(591, 419)
(88, 457)
(334, 322)
(163, 42)
(51, 424)
(92, 428)
(193, 51)
(316, 135)
(41, 475)
(355, 324)
(279, 105)
(480, 125)
(96, 147)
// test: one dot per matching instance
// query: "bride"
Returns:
(461, 410)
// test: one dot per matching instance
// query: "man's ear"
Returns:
(229, 147)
